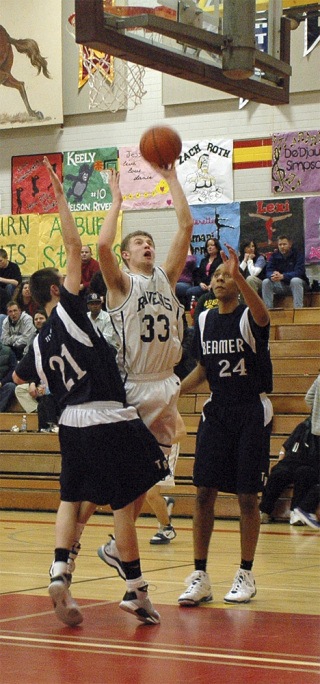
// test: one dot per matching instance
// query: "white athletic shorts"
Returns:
(156, 400)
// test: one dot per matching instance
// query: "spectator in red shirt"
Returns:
(89, 266)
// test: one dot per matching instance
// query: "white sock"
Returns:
(134, 584)
(59, 568)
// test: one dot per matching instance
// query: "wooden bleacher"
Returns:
(30, 463)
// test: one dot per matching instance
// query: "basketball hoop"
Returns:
(113, 83)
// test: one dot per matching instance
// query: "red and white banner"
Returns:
(31, 189)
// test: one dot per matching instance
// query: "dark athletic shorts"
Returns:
(109, 463)
(232, 448)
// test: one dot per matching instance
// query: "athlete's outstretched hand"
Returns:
(114, 180)
(231, 262)
(57, 185)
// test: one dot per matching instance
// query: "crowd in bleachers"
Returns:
(284, 273)
(21, 318)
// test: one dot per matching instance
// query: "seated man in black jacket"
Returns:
(298, 465)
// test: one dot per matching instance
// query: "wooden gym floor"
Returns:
(274, 639)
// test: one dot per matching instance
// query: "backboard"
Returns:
(177, 38)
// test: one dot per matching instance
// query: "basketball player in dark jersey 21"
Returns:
(108, 454)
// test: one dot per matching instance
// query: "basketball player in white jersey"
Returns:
(147, 318)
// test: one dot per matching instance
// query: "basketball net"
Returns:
(113, 83)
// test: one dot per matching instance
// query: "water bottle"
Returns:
(193, 305)
(23, 424)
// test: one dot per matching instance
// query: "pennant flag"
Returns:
(252, 154)
(311, 32)
(98, 63)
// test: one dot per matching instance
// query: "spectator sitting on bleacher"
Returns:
(23, 297)
(10, 277)
(26, 395)
(252, 264)
(298, 462)
(285, 274)
(308, 510)
(7, 387)
(98, 286)
(35, 396)
(48, 409)
(89, 266)
(18, 330)
(203, 274)
(185, 280)
(100, 319)
(206, 301)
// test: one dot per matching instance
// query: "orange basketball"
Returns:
(160, 145)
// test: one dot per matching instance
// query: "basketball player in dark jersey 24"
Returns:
(232, 449)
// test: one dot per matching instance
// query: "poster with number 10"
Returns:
(85, 178)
